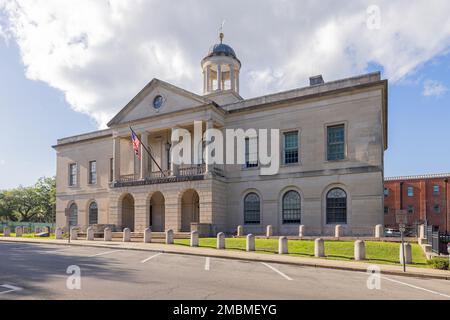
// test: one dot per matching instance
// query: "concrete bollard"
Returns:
(90, 234)
(319, 248)
(73, 233)
(360, 250)
(107, 234)
(58, 234)
(240, 231)
(148, 235)
(408, 253)
(338, 232)
(194, 239)
(283, 245)
(126, 235)
(7, 232)
(379, 231)
(19, 232)
(301, 231)
(169, 237)
(250, 245)
(269, 231)
(422, 233)
(221, 241)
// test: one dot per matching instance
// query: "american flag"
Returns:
(136, 144)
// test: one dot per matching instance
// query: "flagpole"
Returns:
(149, 153)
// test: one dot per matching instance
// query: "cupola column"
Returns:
(219, 78)
(232, 77)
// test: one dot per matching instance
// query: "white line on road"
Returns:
(207, 264)
(10, 287)
(150, 258)
(416, 287)
(104, 253)
(277, 271)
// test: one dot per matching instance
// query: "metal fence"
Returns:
(438, 240)
(31, 227)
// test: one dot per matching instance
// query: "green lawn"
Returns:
(30, 236)
(376, 252)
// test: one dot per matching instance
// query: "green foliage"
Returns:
(439, 263)
(30, 204)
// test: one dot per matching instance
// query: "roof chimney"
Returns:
(316, 80)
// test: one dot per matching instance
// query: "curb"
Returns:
(298, 263)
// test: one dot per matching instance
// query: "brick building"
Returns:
(425, 198)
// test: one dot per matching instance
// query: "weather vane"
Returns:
(221, 31)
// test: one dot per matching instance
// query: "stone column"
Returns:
(108, 234)
(90, 234)
(58, 234)
(126, 235)
(237, 81)
(7, 232)
(219, 77)
(148, 235)
(379, 231)
(173, 166)
(221, 241)
(240, 231)
(250, 245)
(19, 232)
(408, 253)
(319, 248)
(73, 233)
(338, 231)
(169, 237)
(301, 231)
(208, 80)
(422, 233)
(360, 250)
(232, 78)
(283, 245)
(144, 156)
(116, 150)
(209, 165)
(269, 231)
(194, 239)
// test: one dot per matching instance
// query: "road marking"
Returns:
(150, 258)
(416, 287)
(9, 288)
(104, 253)
(207, 264)
(277, 271)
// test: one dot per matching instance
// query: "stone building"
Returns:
(426, 198)
(332, 140)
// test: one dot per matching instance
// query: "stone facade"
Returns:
(132, 193)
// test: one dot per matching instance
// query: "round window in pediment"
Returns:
(158, 102)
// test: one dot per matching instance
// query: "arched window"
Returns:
(252, 209)
(73, 215)
(291, 208)
(93, 213)
(336, 206)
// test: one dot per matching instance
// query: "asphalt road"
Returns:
(29, 271)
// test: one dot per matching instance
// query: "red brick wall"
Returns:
(423, 201)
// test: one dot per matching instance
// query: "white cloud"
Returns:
(434, 88)
(2, 162)
(100, 53)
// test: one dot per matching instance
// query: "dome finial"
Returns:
(221, 34)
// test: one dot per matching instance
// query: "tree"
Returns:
(46, 192)
(7, 206)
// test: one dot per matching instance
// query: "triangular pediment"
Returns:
(173, 99)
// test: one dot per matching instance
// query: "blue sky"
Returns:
(67, 68)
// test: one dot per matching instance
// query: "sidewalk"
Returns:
(246, 256)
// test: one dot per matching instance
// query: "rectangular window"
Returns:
(251, 152)
(436, 190)
(386, 210)
(73, 174)
(437, 208)
(291, 147)
(386, 192)
(336, 143)
(410, 192)
(93, 172)
(411, 209)
(111, 169)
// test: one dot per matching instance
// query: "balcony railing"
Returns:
(190, 173)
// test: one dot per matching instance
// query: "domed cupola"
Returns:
(221, 69)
